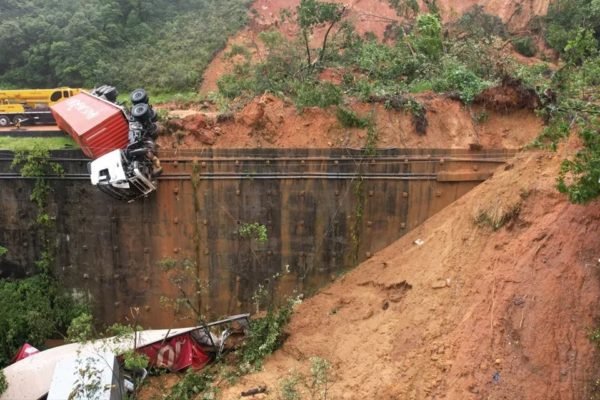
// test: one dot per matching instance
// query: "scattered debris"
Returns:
(252, 392)
(496, 377)
(173, 349)
(440, 284)
(25, 351)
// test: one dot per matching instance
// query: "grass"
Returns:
(28, 143)
(497, 215)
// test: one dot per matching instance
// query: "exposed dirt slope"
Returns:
(471, 313)
(270, 122)
(367, 16)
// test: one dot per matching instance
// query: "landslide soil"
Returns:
(472, 312)
(271, 122)
(367, 16)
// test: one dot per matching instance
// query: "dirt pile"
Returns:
(271, 122)
(492, 298)
(511, 94)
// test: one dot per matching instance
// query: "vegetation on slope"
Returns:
(159, 44)
(573, 29)
(461, 60)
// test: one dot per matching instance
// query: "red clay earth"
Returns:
(367, 16)
(471, 313)
(271, 122)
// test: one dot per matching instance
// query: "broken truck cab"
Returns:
(120, 143)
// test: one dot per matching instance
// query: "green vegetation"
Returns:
(33, 310)
(572, 26)
(36, 164)
(349, 119)
(525, 46)
(3, 383)
(191, 386)
(29, 143)
(571, 94)
(420, 59)
(298, 386)
(36, 308)
(254, 231)
(159, 44)
(266, 335)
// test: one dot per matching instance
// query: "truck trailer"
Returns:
(120, 142)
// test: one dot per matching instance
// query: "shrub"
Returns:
(428, 35)
(313, 94)
(266, 335)
(192, 384)
(525, 46)
(466, 84)
(580, 47)
(3, 383)
(349, 119)
(34, 309)
(480, 24)
(579, 178)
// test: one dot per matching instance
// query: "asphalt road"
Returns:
(32, 131)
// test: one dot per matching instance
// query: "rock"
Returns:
(440, 284)
(253, 114)
(206, 137)
(174, 125)
(194, 123)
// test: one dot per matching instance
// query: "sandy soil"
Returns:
(471, 313)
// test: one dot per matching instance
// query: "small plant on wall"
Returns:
(254, 231)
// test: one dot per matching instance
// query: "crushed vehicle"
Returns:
(120, 141)
(59, 373)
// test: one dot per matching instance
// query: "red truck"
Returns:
(120, 142)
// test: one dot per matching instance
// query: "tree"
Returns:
(312, 13)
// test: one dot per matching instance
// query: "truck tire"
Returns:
(139, 96)
(153, 115)
(4, 120)
(140, 111)
(17, 118)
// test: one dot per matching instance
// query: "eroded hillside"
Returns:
(459, 310)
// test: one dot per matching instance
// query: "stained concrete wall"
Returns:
(325, 211)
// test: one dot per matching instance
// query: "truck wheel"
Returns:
(139, 96)
(17, 118)
(140, 111)
(4, 120)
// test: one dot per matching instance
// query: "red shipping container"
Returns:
(98, 126)
(176, 353)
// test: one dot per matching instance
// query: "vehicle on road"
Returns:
(31, 106)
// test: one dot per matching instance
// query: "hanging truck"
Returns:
(120, 142)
